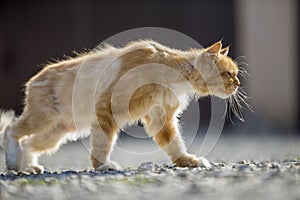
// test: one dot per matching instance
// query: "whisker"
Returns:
(243, 71)
(229, 111)
(240, 58)
(241, 63)
(237, 104)
(237, 108)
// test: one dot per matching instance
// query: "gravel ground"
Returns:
(243, 180)
(270, 170)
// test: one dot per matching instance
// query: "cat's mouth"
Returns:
(227, 93)
(232, 90)
(228, 89)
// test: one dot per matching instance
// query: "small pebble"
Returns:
(244, 167)
(12, 189)
(147, 166)
(275, 166)
(244, 162)
(91, 186)
(183, 174)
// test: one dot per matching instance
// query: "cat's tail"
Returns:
(7, 119)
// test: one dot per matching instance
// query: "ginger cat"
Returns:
(163, 88)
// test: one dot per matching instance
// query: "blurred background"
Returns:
(266, 32)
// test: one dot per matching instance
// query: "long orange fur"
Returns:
(47, 120)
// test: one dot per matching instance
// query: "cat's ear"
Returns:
(215, 48)
(225, 51)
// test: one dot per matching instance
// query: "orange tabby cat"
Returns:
(156, 94)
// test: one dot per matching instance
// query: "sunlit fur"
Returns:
(171, 78)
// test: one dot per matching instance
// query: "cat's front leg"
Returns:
(161, 124)
(102, 141)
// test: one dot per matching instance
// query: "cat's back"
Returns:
(98, 68)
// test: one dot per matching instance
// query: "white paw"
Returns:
(111, 165)
(188, 160)
(203, 162)
(13, 153)
(34, 169)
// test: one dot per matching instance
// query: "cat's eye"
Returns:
(228, 73)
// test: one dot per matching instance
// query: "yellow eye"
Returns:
(229, 74)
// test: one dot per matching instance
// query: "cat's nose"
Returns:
(237, 82)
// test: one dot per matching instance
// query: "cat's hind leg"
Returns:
(13, 151)
(25, 126)
(47, 141)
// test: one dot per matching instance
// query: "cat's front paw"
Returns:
(111, 165)
(192, 161)
(203, 162)
(34, 169)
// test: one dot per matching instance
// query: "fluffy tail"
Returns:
(7, 118)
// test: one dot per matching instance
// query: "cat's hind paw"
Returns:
(13, 152)
(109, 166)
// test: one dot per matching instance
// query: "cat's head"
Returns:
(219, 73)
(227, 72)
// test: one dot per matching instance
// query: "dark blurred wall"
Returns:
(298, 50)
(32, 33)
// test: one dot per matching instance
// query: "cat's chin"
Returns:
(223, 95)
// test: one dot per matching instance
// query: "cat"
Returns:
(158, 84)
